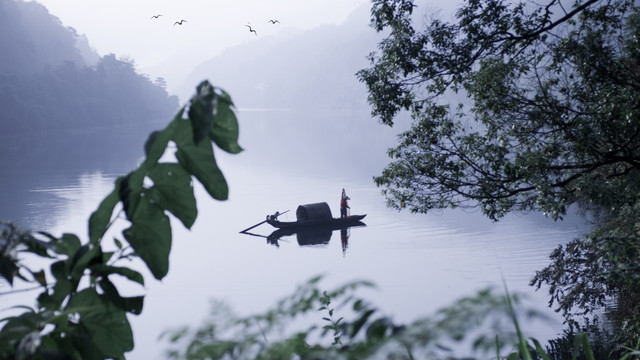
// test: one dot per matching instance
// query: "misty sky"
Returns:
(125, 27)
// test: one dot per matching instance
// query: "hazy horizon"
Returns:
(156, 44)
(160, 48)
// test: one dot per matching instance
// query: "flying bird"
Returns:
(156, 16)
(251, 30)
(274, 21)
(179, 22)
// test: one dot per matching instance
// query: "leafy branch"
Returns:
(480, 324)
(80, 313)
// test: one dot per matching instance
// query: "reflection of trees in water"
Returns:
(33, 165)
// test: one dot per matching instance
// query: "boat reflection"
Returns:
(312, 236)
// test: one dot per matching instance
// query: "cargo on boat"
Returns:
(315, 215)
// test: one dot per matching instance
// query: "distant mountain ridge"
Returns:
(50, 78)
(31, 38)
(312, 69)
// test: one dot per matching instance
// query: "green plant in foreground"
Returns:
(480, 324)
(362, 331)
(334, 325)
(632, 353)
(526, 352)
(80, 313)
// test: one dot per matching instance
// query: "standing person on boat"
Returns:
(343, 204)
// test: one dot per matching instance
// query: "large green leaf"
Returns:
(86, 255)
(157, 142)
(101, 218)
(200, 162)
(173, 191)
(106, 270)
(68, 245)
(106, 324)
(35, 246)
(129, 195)
(150, 237)
(59, 348)
(15, 329)
(70, 339)
(8, 268)
(201, 111)
(225, 129)
(128, 304)
(52, 299)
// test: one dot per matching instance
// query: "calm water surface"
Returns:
(419, 263)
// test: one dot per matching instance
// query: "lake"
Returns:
(420, 263)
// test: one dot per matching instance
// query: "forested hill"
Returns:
(51, 79)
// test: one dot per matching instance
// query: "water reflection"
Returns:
(314, 236)
(40, 173)
(344, 240)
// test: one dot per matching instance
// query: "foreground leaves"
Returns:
(483, 324)
(107, 326)
(84, 314)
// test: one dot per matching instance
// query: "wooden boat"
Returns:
(337, 223)
(315, 215)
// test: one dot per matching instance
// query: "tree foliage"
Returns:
(587, 275)
(554, 117)
(80, 313)
(31, 38)
(552, 120)
(68, 96)
(51, 80)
